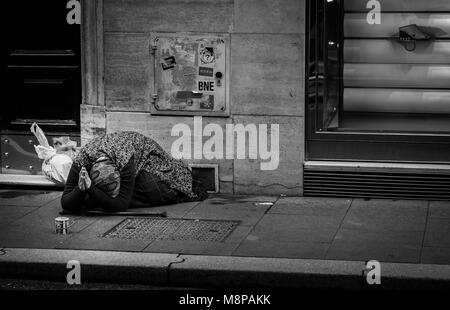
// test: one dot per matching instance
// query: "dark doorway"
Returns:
(41, 70)
(41, 67)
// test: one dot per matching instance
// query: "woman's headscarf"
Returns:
(105, 175)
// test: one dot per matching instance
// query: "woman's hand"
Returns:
(84, 182)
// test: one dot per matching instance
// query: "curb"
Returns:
(215, 271)
(96, 266)
(276, 273)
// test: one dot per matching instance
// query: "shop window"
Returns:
(381, 66)
(378, 80)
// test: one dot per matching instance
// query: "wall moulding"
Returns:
(92, 59)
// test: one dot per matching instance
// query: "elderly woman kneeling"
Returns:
(127, 170)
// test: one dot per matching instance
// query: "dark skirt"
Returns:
(151, 191)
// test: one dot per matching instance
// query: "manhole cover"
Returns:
(151, 229)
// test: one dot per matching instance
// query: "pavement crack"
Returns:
(182, 260)
(340, 227)
(425, 231)
(273, 204)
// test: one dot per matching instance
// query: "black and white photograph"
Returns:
(221, 153)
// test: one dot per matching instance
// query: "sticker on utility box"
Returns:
(182, 95)
(207, 55)
(206, 71)
(207, 104)
(206, 86)
(169, 63)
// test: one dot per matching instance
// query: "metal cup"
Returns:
(62, 225)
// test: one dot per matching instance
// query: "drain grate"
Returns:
(151, 229)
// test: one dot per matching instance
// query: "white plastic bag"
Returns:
(55, 167)
(64, 145)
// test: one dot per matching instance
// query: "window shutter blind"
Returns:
(380, 75)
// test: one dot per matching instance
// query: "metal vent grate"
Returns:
(376, 185)
(207, 175)
(150, 229)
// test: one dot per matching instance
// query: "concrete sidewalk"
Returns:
(320, 229)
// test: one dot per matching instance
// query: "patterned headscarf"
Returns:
(120, 147)
(106, 176)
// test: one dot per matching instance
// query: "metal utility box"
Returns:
(191, 74)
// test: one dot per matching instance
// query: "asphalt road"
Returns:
(19, 284)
